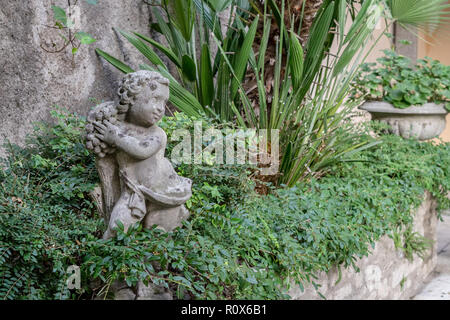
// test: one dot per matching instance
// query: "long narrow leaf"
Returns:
(206, 77)
(169, 53)
(210, 17)
(242, 57)
(144, 49)
(316, 42)
(184, 16)
(114, 61)
(342, 20)
(296, 61)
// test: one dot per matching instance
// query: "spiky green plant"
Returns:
(309, 106)
(186, 26)
(310, 85)
(419, 15)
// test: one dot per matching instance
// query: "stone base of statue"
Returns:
(140, 292)
(119, 290)
(152, 292)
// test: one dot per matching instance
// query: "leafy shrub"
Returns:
(45, 212)
(402, 84)
(254, 248)
(47, 220)
(235, 244)
(230, 181)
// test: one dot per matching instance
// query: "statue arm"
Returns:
(139, 149)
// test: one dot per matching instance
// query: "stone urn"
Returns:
(421, 122)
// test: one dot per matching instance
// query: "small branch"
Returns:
(12, 286)
(55, 51)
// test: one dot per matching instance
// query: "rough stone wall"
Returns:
(385, 273)
(32, 80)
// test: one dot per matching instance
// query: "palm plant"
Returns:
(310, 83)
(309, 92)
(419, 15)
(186, 26)
(297, 13)
(310, 86)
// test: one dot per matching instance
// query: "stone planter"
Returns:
(420, 122)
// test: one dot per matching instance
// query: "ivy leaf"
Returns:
(400, 104)
(182, 280)
(129, 282)
(84, 37)
(396, 94)
(251, 279)
(446, 93)
(59, 25)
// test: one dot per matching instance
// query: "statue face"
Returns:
(149, 106)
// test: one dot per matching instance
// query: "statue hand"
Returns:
(108, 132)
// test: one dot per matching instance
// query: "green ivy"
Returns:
(45, 212)
(254, 248)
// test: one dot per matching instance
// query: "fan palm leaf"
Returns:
(423, 15)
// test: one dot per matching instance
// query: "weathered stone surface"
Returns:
(438, 289)
(152, 292)
(124, 294)
(438, 286)
(422, 122)
(32, 80)
(138, 184)
(385, 273)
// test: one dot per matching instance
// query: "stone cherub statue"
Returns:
(138, 182)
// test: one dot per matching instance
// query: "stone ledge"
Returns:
(385, 107)
(386, 273)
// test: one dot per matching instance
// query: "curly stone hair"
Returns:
(132, 84)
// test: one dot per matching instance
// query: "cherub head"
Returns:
(143, 96)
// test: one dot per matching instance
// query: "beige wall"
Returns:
(377, 51)
(437, 46)
(383, 43)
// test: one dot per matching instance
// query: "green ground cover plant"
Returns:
(45, 210)
(236, 244)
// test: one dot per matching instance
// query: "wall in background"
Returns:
(32, 81)
(437, 46)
